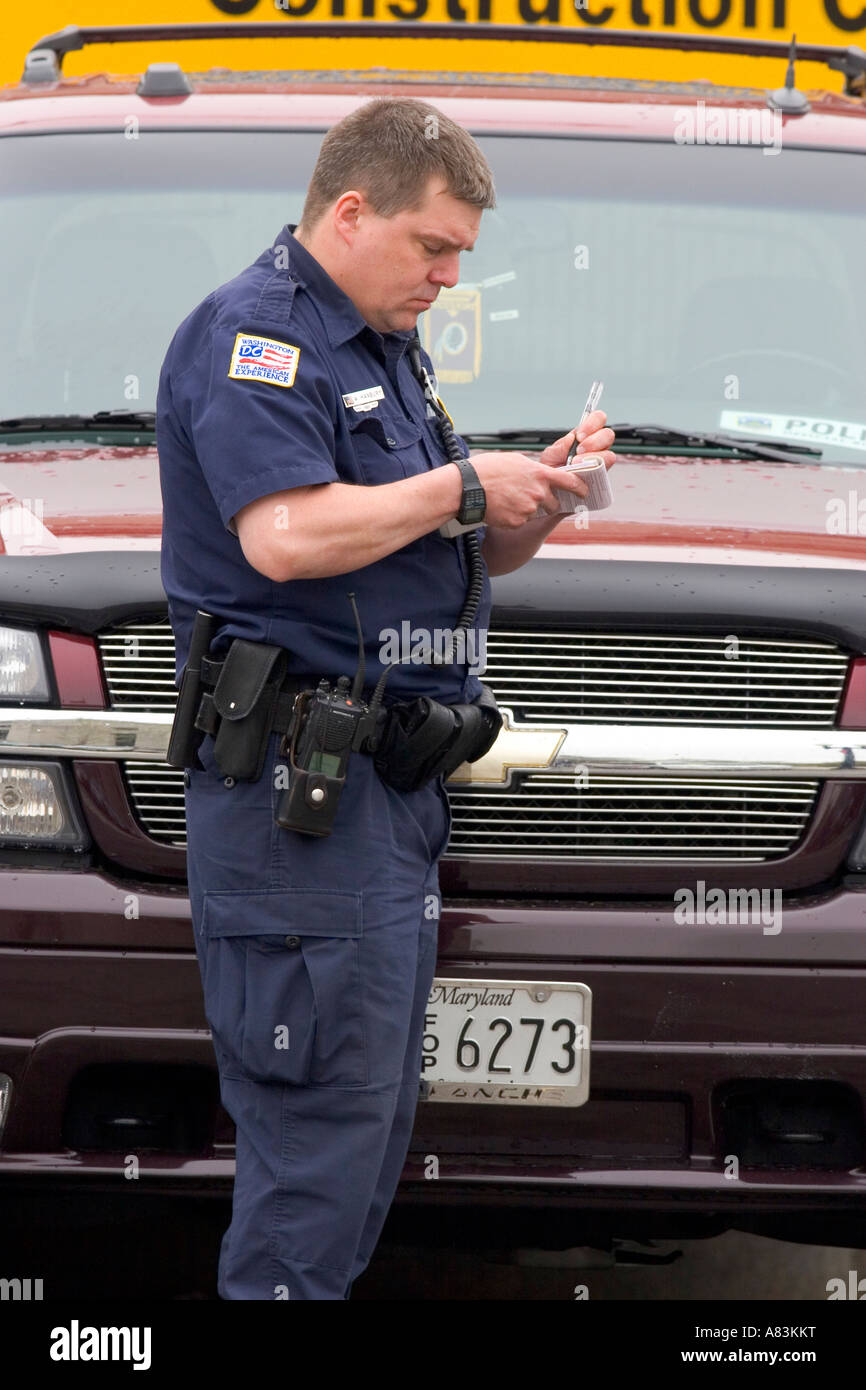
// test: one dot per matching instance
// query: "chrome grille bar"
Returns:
(586, 749)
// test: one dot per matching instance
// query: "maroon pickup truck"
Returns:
(674, 815)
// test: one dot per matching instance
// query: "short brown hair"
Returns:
(388, 149)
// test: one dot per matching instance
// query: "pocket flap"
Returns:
(291, 911)
(246, 670)
(388, 431)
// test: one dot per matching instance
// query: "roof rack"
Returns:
(44, 62)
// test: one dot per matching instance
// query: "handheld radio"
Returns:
(328, 725)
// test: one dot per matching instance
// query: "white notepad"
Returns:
(592, 469)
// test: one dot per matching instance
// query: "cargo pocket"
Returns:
(282, 985)
(387, 447)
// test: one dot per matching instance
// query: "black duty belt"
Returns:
(247, 695)
(208, 717)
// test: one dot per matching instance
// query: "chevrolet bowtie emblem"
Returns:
(518, 748)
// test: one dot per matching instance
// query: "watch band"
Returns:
(473, 503)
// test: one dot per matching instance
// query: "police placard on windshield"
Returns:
(806, 429)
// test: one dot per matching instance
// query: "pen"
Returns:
(592, 401)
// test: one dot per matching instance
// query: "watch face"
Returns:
(473, 506)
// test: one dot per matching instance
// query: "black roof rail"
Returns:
(850, 61)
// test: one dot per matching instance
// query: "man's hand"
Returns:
(509, 544)
(593, 438)
(516, 485)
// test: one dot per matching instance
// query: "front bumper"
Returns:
(681, 1017)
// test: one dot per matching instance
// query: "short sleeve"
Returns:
(258, 406)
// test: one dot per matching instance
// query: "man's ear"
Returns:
(348, 210)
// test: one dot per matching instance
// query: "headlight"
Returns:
(22, 666)
(35, 808)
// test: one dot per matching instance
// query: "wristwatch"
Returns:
(473, 503)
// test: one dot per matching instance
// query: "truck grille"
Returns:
(643, 818)
(571, 678)
(628, 679)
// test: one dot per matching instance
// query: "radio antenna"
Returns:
(358, 683)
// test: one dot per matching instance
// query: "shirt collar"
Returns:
(342, 319)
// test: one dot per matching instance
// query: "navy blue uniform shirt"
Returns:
(257, 394)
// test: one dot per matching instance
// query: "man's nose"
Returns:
(447, 271)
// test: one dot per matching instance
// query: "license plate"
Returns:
(507, 1042)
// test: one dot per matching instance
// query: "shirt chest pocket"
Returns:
(387, 447)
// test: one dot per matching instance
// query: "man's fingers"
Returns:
(568, 482)
(592, 437)
(594, 421)
(596, 442)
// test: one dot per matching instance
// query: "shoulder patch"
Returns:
(264, 359)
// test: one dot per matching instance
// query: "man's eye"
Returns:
(431, 250)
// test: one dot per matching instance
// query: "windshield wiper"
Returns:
(661, 437)
(744, 446)
(527, 435)
(102, 419)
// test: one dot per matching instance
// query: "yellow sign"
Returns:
(452, 335)
(839, 22)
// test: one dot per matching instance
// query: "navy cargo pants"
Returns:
(316, 957)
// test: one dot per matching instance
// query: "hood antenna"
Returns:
(787, 98)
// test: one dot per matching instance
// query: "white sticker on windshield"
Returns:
(798, 429)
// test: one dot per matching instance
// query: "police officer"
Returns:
(300, 461)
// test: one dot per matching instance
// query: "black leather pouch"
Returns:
(425, 739)
(245, 699)
(415, 734)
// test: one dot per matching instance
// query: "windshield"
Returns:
(710, 287)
